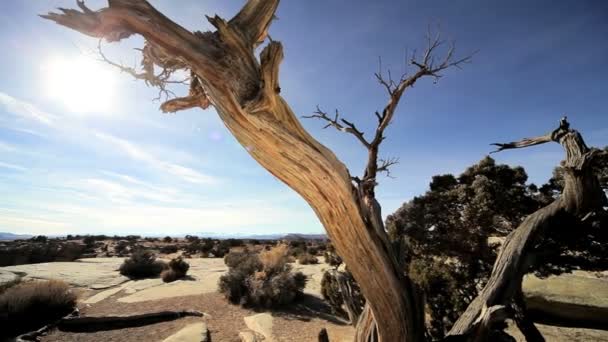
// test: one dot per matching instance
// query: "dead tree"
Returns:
(582, 199)
(245, 91)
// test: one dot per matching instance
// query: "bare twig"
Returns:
(159, 81)
(340, 124)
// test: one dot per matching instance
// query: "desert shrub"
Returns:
(142, 264)
(167, 239)
(192, 238)
(39, 238)
(31, 305)
(177, 270)
(18, 253)
(221, 249)
(234, 259)
(121, 247)
(331, 257)
(132, 238)
(313, 250)
(89, 241)
(263, 280)
(307, 259)
(235, 242)
(331, 290)
(296, 251)
(168, 249)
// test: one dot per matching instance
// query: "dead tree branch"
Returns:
(342, 125)
(581, 196)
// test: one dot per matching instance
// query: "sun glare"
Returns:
(81, 84)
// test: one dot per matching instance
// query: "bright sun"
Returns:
(82, 84)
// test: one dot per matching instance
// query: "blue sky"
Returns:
(107, 161)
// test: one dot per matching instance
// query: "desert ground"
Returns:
(103, 291)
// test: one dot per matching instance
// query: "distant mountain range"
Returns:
(10, 236)
(290, 236)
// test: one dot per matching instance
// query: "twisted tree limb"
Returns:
(581, 196)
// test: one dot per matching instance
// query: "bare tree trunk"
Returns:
(582, 196)
(524, 321)
(245, 93)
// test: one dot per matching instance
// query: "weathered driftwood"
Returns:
(582, 196)
(245, 92)
(82, 324)
(75, 323)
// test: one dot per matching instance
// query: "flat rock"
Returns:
(94, 275)
(102, 295)
(248, 336)
(262, 324)
(191, 333)
(178, 288)
(7, 277)
(579, 295)
(560, 334)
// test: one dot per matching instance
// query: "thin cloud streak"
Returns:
(138, 153)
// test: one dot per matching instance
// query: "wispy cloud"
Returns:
(7, 147)
(26, 110)
(138, 153)
(12, 166)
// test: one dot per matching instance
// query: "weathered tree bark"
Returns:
(582, 196)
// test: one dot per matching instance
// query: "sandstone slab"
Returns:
(261, 324)
(191, 333)
(79, 274)
(579, 296)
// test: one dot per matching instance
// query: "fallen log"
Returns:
(75, 323)
(88, 324)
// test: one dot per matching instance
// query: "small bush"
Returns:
(234, 259)
(307, 259)
(168, 249)
(142, 264)
(168, 239)
(331, 257)
(263, 280)
(332, 293)
(31, 305)
(177, 270)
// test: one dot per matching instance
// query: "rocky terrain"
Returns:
(103, 291)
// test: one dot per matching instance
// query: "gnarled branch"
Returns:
(581, 195)
(342, 125)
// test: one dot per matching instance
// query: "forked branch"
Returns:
(340, 124)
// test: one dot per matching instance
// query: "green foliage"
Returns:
(263, 280)
(31, 305)
(142, 264)
(442, 236)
